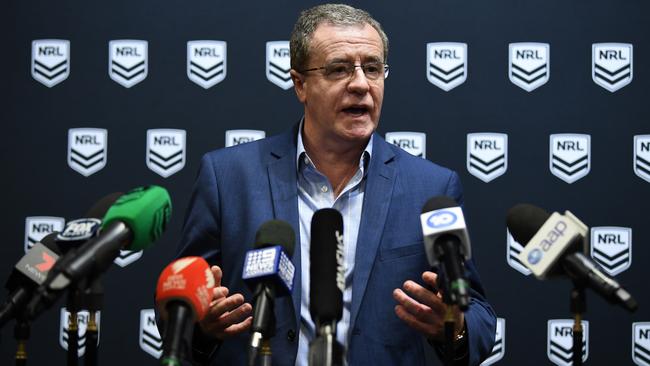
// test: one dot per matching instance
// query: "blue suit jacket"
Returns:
(239, 188)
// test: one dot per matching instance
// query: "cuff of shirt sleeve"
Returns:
(203, 347)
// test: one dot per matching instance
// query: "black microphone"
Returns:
(446, 241)
(327, 282)
(552, 247)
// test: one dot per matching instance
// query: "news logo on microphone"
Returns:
(269, 262)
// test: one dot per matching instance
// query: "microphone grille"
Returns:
(524, 220)
(276, 232)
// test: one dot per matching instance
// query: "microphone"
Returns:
(552, 247)
(446, 241)
(183, 296)
(327, 282)
(136, 219)
(268, 272)
(30, 272)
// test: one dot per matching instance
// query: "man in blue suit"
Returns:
(332, 158)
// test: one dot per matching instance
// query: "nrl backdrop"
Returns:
(541, 102)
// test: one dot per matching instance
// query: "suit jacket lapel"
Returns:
(377, 198)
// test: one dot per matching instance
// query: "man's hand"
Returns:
(228, 315)
(424, 310)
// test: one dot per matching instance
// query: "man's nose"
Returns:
(358, 82)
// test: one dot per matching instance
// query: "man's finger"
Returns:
(237, 315)
(412, 321)
(227, 304)
(423, 295)
(239, 327)
(418, 310)
(217, 274)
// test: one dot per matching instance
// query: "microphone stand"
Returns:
(73, 327)
(92, 298)
(265, 352)
(21, 333)
(450, 326)
(578, 307)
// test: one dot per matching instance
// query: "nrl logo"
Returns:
(50, 61)
(529, 66)
(37, 227)
(165, 151)
(611, 247)
(611, 65)
(206, 62)
(127, 257)
(83, 317)
(127, 61)
(570, 156)
(236, 137)
(447, 64)
(559, 344)
(642, 157)
(641, 343)
(487, 155)
(499, 348)
(278, 64)
(150, 339)
(513, 250)
(87, 150)
(414, 143)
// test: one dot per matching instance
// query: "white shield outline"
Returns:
(442, 73)
(127, 257)
(513, 249)
(207, 71)
(149, 337)
(82, 322)
(641, 348)
(164, 160)
(483, 164)
(603, 75)
(560, 349)
(641, 162)
(254, 135)
(419, 137)
(135, 70)
(612, 263)
(32, 238)
(499, 348)
(561, 167)
(50, 73)
(277, 68)
(83, 160)
(529, 78)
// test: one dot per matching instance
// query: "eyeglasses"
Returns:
(345, 70)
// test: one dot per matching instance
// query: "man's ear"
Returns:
(298, 84)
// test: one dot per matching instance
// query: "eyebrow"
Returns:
(364, 60)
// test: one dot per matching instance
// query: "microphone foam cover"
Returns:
(326, 298)
(276, 232)
(524, 220)
(439, 202)
(99, 209)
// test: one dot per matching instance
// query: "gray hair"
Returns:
(334, 14)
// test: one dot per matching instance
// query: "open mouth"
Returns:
(356, 111)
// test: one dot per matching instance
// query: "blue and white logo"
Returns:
(499, 348)
(611, 65)
(206, 62)
(570, 156)
(87, 150)
(80, 229)
(278, 64)
(642, 157)
(50, 61)
(446, 64)
(128, 61)
(529, 66)
(441, 218)
(513, 249)
(37, 227)
(236, 137)
(535, 256)
(83, 317)
(150, 339)
(559, 346)
(641, 343)
(414, 143)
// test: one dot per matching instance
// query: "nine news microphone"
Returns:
(30, 272)
(268, 272)
(327, 282)
(553, 245)
(183, 296)
(446, 241)
(137, 219)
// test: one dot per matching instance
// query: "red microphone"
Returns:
(183, 297)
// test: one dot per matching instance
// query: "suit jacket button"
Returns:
(291, 335)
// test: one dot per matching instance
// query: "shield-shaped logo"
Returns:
(446, 64)
(559, 345)
(611, 65)
(278, 64)
(127, 257)
(50, 61)
(236, 137)
(83, 317)
(570, 156)
(206, 62)
(150, 339)
(611, 247)
(87, 150)
(641, 343)
(487, 155)
(513, 249)
(37, 227)
(529, 64)
(127, 61)
(642, 156)
(414, 143)
(165, 151)
(499, 348)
